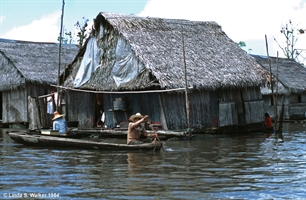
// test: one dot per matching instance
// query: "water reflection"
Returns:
(250, 166)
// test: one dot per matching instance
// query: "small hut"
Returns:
(26, 70)
(144, 64)
(291, 85)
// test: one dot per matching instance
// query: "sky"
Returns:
(250, 21)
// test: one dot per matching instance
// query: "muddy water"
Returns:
(250, 166)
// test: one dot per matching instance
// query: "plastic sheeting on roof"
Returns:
(89, 63)
(127, 66)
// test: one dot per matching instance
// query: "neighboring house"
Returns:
(138, 64)
(27, 69)
(291, 85)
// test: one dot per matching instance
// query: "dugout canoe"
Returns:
(121, 133)
(108, 133)
(64, 142)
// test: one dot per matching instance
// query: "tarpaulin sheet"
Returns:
(127, 66)
(89, 63)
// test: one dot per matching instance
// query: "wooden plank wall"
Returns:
(203, 110)
(297, 111)
(228, 113)
(230, 108)
(36, 91)
(144, 103)
(34, 116)
(254, 111)
(240, 106)
(253, 105)
(15, 106)
(45, 119)
(80, 107)
(174, 108)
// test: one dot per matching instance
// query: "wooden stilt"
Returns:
(186, 88)
(279, 131)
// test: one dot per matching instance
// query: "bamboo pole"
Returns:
(59, 57)
(271, 79)
(186, 87)
(276, 97)
(279, 133)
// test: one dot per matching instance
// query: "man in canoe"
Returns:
(59, 124)
(136, 129)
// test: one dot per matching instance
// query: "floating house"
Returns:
(183, 74)
(27, 69)
(290, 85)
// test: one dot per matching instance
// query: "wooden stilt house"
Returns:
(27, 69)
(143, 64)
(290, 84)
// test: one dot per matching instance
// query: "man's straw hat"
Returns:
(137, 115)
(57, 115)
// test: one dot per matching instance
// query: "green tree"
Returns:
(81, 27)
(241, 44)
(66, 39)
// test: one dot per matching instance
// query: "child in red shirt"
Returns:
(268, 122)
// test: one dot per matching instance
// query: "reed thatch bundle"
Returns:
(291, 75)
(213, 60)
(35, 62)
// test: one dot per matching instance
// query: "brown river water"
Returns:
(244, 166)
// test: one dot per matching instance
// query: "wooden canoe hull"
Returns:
(63, 142)
(108, 133)
(122, 133)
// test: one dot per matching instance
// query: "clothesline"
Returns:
(122, 92)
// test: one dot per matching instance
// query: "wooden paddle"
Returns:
(151, 126)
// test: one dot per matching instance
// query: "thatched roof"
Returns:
(36, 62)
(291, 74)
(213, 60)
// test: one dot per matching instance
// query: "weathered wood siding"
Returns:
(240, 106)
(297, 111)
(80, 107)
(33, 113)
(231, 109)
(294, 106)
(253, 105)
(228, 113)
(35, 90)
(174, 109)
(15, 102)
(203, 107)
(254, 111)
(15, 106)
(207, 108)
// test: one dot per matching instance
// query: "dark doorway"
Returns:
(99, 110)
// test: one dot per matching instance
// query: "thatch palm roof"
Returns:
(35, 62)
(291, 74)
(213, 60)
